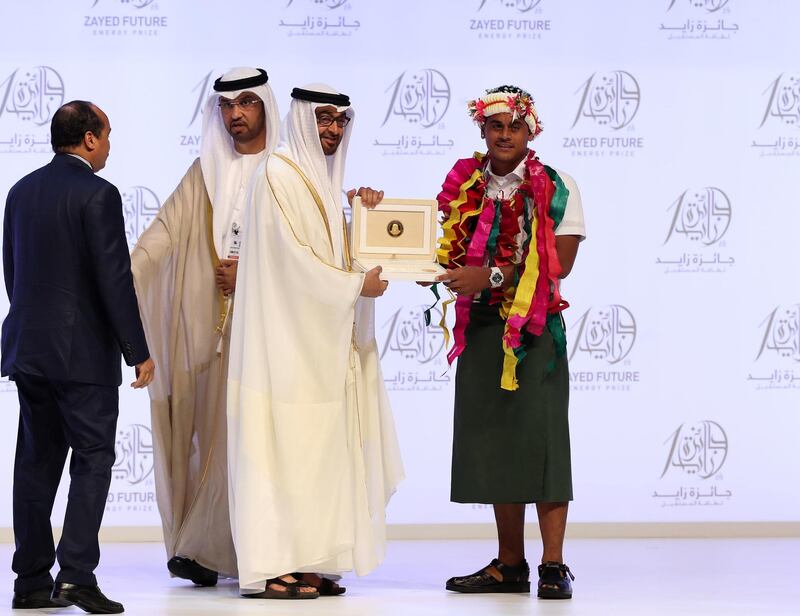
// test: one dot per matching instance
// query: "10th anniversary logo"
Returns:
(699, 20)
(608, 104)
(309, 18)
(140, 206)
(133, 487)
(778, 358)
(696, 453)
(412, 352)
(779, 129)
(199, 93)
(700, 219)
(603, 338)
(28, 99)
(417, 104)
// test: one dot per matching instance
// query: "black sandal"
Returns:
(554, 581)
(326, 588)
(329, 588)
(515, 579)
(292, 591)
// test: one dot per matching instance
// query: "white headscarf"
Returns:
(217, 153)
(301, 143)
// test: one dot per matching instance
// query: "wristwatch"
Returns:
(496, 277)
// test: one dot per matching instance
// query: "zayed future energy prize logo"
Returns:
(778, 358)
(125, 18)
(699, 220)
(779, 126)
(691, 477)
(602, 341)
(510, 19)
(329, 18)
(699, 19)
(199, 92)
(139, 207)
(417, 102)
(412, 352)
(607, 106)
(132, 488)
(28, 99)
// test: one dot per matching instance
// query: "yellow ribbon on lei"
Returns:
(447, 239)
(448, 235)
(520, 306)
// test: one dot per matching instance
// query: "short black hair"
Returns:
(71, 122)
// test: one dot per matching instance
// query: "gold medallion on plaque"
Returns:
(394, 228)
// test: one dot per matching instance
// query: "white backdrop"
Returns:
(679, 119)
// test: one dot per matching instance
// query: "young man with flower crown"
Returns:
(511, 229)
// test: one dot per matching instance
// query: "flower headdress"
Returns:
(506, 99)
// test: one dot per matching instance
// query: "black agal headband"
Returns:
(241, 84)
(338, 100)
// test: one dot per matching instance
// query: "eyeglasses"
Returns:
(245, 103)
(324, 121)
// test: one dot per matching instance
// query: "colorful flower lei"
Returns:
(469, 224)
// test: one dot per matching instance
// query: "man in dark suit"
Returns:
(73, 309)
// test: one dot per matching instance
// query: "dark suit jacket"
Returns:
(68, 277)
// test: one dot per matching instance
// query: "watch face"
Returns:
(496, 278)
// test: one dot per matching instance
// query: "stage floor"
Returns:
(615, 577)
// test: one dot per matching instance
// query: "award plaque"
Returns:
(400, 236)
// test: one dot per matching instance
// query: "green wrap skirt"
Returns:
(509, 446)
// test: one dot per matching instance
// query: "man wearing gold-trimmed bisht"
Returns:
(511, 229)
(184, 266)
(313, 454)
